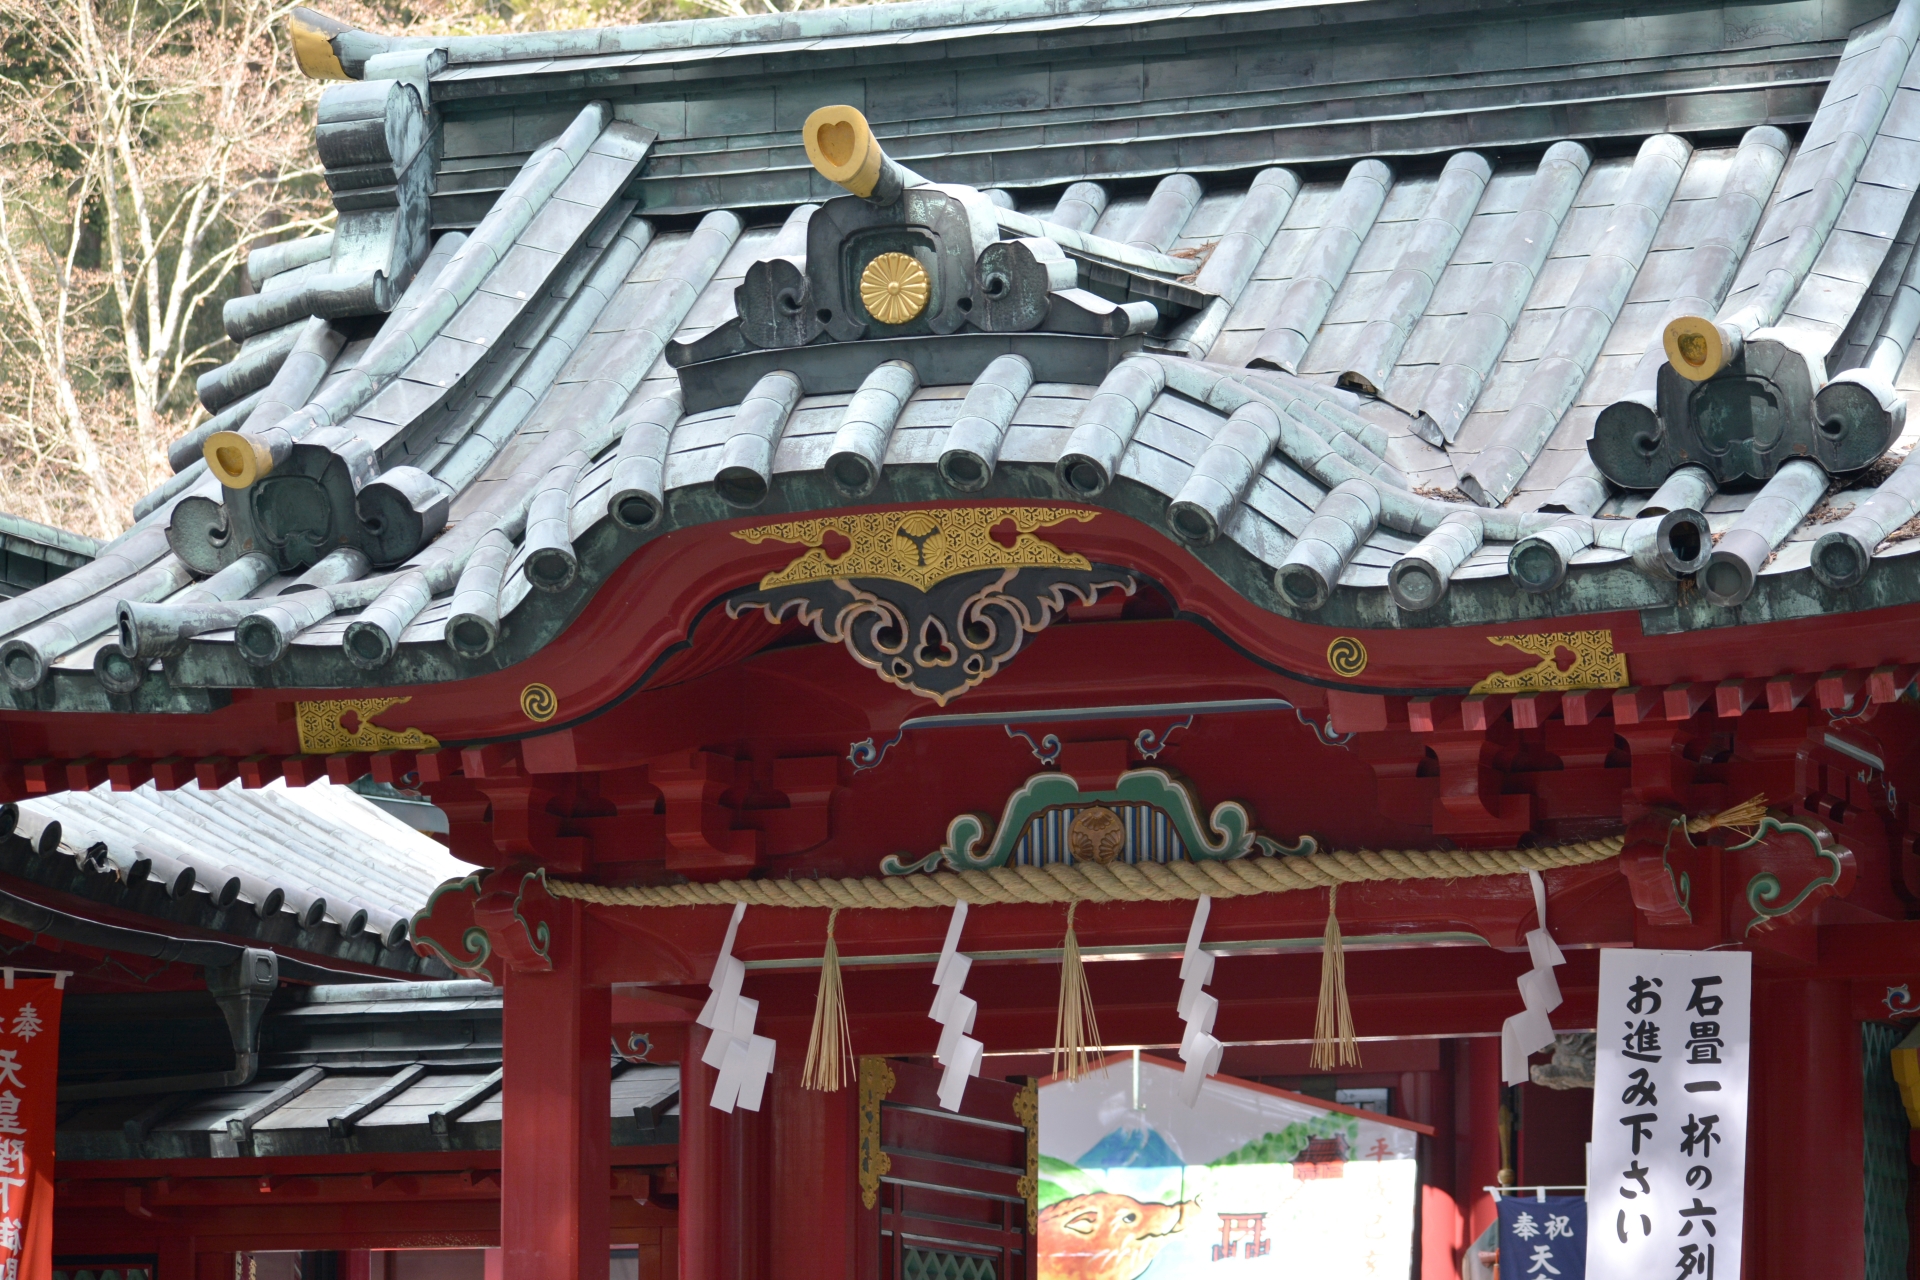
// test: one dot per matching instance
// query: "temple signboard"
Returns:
(1667, 1182)
(1135, 1183)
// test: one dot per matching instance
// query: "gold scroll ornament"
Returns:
(894, 288)
(876, 1082)
(323, 729)
(1026, 1106)
(919, 548)
(538, 703)
(1347, 657)
(1595, 665)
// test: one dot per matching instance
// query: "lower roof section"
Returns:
(410, 1067)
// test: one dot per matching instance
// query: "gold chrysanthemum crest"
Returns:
(894, 288)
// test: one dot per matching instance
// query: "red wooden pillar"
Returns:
(813, 1188)
(725, 1233)
(176, 1258)
(701, 1165)
(555, 1131)
(1476, 1137)
(1806, 1206)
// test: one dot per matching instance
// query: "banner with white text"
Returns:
(1668, 1176)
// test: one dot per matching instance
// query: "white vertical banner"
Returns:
(1667, 1180)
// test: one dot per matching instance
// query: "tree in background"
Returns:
(146, 146)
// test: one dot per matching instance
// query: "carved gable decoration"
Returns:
(324, 728)
(920, 548)
(1594, 666)
(1147, 816)
(929, 600)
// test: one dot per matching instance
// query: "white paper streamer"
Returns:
(959, 1053)
(1530, 1031)
(743, 1059)
(1198, 1048)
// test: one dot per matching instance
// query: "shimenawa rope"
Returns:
(1091, 882)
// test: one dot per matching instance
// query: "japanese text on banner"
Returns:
(29, 1083)
(1544, 1238)
(1668, 1175)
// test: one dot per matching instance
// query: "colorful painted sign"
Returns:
(1248, 1182)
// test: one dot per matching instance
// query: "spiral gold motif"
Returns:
(894, 288)
(538, 703)
(1347, 656)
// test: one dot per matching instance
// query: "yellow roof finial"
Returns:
(312, 33)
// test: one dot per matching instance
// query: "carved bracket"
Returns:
(445, 929)
(1785, 868)
(1661, 864)
(1799, 865)
(1084, 826)
(505, 915)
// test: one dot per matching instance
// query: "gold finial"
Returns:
(1695, 348)
(841, 146)
(312, 34)
(238, 460)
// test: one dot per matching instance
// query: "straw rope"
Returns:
(1090, 882)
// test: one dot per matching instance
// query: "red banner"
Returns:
(29, 1086)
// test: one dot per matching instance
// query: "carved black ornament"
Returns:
(934, 600)
(1742, 423)
(937, 643)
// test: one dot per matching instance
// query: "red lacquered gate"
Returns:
(951, 1204)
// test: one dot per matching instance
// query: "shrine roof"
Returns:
(316, 872)
(1349, 333)
(425, 1054)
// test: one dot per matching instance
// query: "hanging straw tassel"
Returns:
(1076, 1035)
(830, 1048)
(1747, 814)
(1333, 1040)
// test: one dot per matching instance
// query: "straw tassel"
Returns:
(1333, 1040)
(1745, 814)
(1076, 1035)
(830, 1048)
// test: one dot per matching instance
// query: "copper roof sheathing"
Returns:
(1405, 308)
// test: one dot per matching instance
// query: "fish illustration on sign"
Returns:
(1106, 1236)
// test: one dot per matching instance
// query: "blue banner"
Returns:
(1543, 1239)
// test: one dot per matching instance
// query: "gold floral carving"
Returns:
(323, 729)
(1595, 665)
(919, 548)
(876, 1082)
(894, 288)
(1026, 1105)
(1097, 835)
